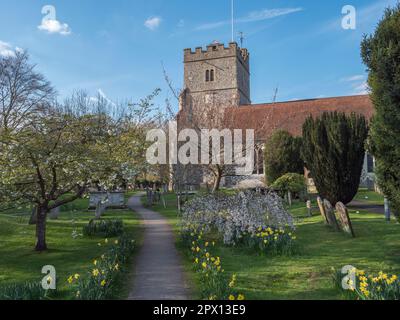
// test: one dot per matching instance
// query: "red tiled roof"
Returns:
(265, 119)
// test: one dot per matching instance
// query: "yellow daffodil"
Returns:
(95, 262)
(70, 279)
(76, 276)
(95, 272)
(116, 241)
(103, 283)
(240, 297)
(231, 297)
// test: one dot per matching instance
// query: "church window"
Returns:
(370, 163)
(207, 75)
(212, 75)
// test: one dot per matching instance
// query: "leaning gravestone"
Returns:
(322, 210)
(330, 215)
(101, 207)
(54, 213)
(345, 219)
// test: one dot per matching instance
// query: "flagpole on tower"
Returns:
(233, 21)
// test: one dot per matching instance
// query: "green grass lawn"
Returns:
(308, 274)
(20, 263)
(370, 197)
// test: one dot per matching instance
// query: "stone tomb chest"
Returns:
(114, 200)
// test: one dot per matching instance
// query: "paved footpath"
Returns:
(158, 271)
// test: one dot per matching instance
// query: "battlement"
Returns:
(216, 51)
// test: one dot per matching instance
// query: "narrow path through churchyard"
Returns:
(158, 271)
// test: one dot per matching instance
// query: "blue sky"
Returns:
(118, 47)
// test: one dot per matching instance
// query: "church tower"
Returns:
(218, 76)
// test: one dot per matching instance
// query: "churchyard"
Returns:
(309, 272)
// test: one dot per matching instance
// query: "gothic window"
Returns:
(212, 75)
(207, 75)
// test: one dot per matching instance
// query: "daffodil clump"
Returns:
(215, 285)
(375, 287)
(98, 284)
(270, 240)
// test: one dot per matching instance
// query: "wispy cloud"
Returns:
(7, 50)
(152, 23)
(53, 26)
(358, 84)
(254, 16)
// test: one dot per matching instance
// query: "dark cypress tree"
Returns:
(333, 150)
(282, 156)
(381, 54)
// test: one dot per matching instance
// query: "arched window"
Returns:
(207, 75)
(212, 75)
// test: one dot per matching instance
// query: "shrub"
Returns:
(99, 284)
(333, 150)
(282, 155)
(104, 228)
(233, 215)
(380, 53)
(290, 182)
(24, 291)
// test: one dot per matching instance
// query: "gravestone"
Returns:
(322, 210)
(330, 215)
(345, 219)
(54, 213)
(387, 209)
(101, 207)
(309, 208)
(116, 199)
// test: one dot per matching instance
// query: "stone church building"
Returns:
(217, 86)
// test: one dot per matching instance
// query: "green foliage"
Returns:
(381, 54)
(213, 281)
(104, 228)
(290, 182)
(282, 155)
(333, 150)
(272, 241)
(101, 279)
(23, 291)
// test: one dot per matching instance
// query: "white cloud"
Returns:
(354, 78)
(6, 49)
(254, 16)
(54, 26)
(153, 23)
(358, 84)
(101, 94)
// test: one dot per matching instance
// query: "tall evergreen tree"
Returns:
(282, 156)
(381, 54)
(333, 150)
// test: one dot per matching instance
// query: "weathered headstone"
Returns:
(309, 208)
(330, 215)
(101, 207)
(54, 213)
(322, 210)
(345, 219)
(387, 209)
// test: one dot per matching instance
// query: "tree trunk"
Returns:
(217, 181)
(41, 230)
